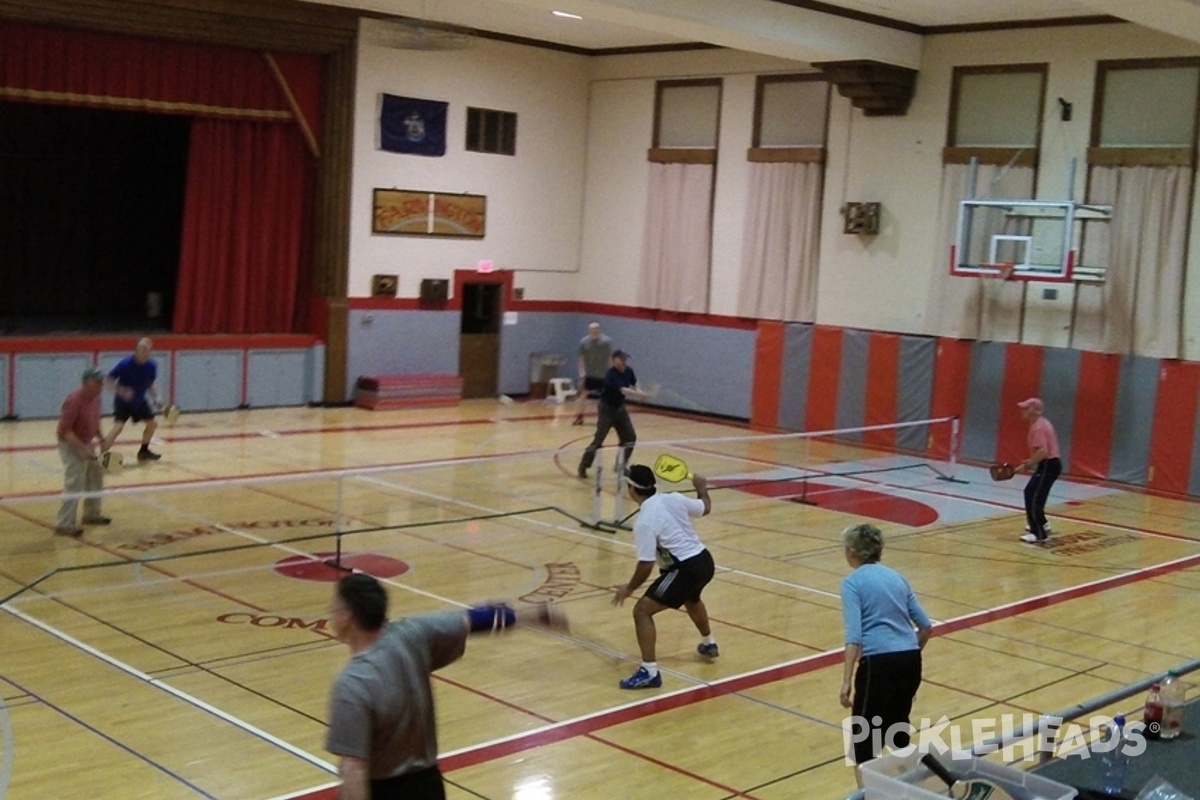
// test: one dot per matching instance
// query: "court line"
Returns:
(838, 653)
(179, 694)
(116, 743)
(641, 709)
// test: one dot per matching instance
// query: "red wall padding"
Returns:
(950, 373)
(883, 376)
(824, 372)
(768, 373)
(1022, 380)
(1174, 426)
(1095, 413)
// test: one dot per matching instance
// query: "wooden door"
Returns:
(479, 339)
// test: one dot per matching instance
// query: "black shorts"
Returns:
(684, 582)
(592, 386)
(138, 412)
(425, 784)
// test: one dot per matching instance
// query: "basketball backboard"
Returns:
(1033, 240)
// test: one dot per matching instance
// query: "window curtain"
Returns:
(975, 308)
(781, 242)
(677, 244)
(1139, 307)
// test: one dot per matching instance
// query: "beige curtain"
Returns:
(975, 308)
(1139, 306)
(781, 242)
(677, 248)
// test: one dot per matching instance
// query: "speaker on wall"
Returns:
(434, 291)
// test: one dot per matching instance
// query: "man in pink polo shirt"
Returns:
(79, 447)
(1044, 462)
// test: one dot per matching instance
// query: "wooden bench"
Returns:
(407, 391)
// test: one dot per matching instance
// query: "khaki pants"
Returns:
(82, 475)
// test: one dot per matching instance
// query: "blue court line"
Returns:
(110, 740)
(167, 688)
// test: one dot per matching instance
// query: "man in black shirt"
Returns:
(619, 383)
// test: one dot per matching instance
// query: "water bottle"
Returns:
(1114, 763)
(1172, 691)
(1152, 713)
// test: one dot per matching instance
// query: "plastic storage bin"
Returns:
(892, 777)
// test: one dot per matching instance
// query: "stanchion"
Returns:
(954, 445)
(336, 561)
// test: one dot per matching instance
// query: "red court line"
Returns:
(741, 683)
(210, 437)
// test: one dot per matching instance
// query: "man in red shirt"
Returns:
(79, 447)
(1046, 466)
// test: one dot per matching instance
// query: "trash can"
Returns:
(542, 367)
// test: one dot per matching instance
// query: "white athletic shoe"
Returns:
(1029, 538)
(1045, 527)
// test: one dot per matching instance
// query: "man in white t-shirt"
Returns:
(663, 532)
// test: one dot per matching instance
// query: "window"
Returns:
(995, 114)
(686, 122)
(1147, 111)
(790, 113)
(491, 131)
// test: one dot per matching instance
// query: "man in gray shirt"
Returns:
(381, 714)
(595, 353)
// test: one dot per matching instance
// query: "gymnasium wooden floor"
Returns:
(183, 651)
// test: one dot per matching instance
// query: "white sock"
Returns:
(709, 639)
(651, 667)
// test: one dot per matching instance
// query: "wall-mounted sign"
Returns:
(411, 213)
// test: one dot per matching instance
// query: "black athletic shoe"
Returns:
(145, 454)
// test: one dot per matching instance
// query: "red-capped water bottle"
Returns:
(1152, 713)
(1172, 691)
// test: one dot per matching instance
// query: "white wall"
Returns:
(567, 213)
(886, 283)
(534, 199)
(621, 124)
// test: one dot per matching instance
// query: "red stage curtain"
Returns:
(245, 257)
(246, 226)
(58, 65)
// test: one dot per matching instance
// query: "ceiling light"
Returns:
(567, 14)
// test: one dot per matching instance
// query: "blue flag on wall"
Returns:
(410, 125)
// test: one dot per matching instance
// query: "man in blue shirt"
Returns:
(133, 380)
(619, 383)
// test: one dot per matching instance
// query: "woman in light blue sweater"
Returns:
(886, 629)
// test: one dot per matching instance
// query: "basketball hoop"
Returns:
(998, 269)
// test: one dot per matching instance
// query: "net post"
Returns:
(955, 436)
(596, 523)
(336, 561)
(619, 505)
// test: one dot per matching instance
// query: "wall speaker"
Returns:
(384, 285)
(435, 291)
